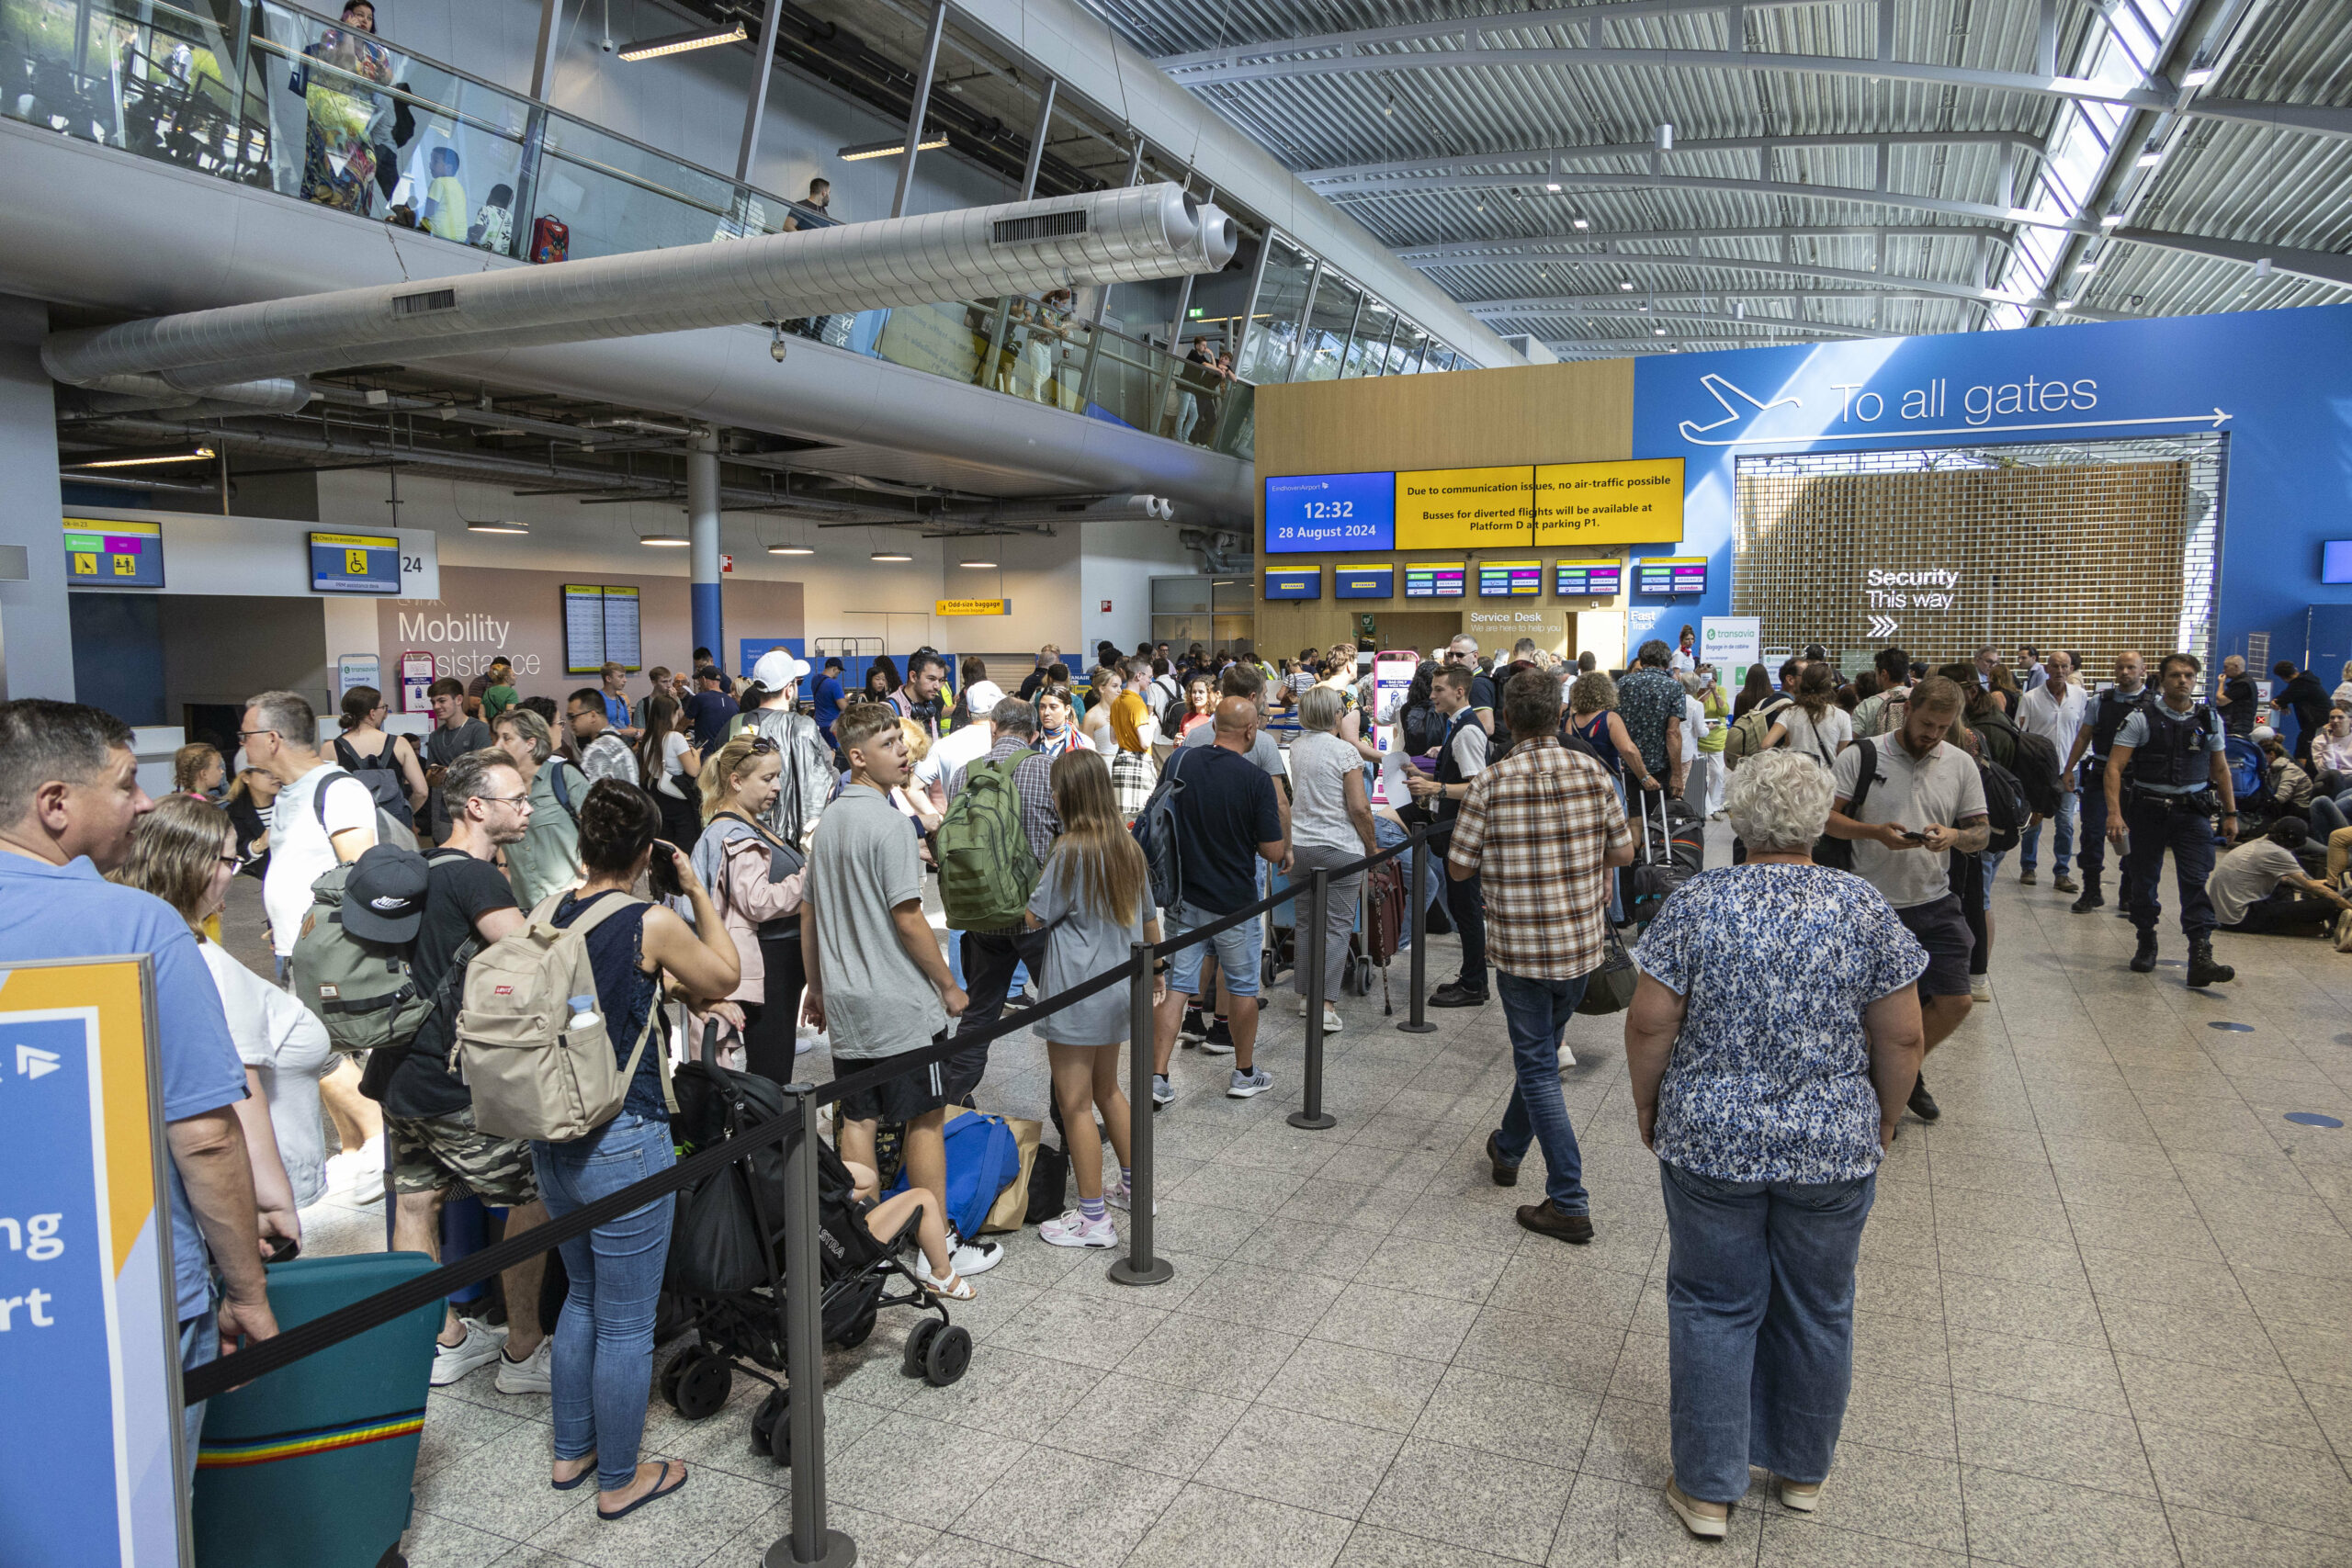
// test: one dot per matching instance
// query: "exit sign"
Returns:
(726, 564)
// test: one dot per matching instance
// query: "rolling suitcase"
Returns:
(310, 1466)
(551, 240)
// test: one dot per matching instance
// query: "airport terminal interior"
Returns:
(1641, 710)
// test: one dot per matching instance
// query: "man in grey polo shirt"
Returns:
(1924, 803)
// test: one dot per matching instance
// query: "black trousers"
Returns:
(771, 1038)
(989, 959)
(2156, 824)
(2285, 907)
(1466, 906)
(2090, 835)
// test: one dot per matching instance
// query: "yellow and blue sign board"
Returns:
(106, 554)
(89, 1359)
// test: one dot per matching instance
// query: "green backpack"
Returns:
(361, 991)
(987, 869)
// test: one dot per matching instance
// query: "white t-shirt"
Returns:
(2246, 875)
(285, 1041)
(1694, 719)
(951, 754)
(2054, 720)
(1822, 741)
(299, 851)
(674, 746)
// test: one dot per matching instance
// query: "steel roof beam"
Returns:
(1892, 289)
(1634, 318)
(2318, 119)
(2321, 267)
(1515, 248)
(1552, 157)
(1896, 284)
(1879, 197)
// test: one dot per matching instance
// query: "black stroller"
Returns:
(725, 1285)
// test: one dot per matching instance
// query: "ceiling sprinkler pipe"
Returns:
(1128, 236)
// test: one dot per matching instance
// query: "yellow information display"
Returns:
(1638, 501)
(972, 607)
(1465, 509)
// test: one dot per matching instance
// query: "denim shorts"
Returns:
(1239, 953)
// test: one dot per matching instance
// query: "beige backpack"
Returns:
(531, 1039)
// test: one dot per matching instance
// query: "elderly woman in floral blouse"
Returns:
(1773, 1039)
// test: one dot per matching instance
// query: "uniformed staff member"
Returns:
(2103, 716)
(2165, 776)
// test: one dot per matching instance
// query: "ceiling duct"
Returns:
(1143, 232)
(1223, 553)
(134, 394)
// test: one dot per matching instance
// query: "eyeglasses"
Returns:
(241, 734)
(502, 799)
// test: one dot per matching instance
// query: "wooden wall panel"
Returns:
(1463, 419)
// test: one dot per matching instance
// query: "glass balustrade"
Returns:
(273, 95)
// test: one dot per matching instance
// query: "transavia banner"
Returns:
(2275, 384)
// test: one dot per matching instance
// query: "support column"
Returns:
(35, 629)
(920, 106)
(543, 56)
(755, 108)
(702, 538)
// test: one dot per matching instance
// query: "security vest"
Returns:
(1448, 769)
(2108, 710)
(2174, 757)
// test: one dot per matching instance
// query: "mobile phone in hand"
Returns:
(661, 874)
(1914, 837)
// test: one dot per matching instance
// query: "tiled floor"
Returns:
(2105, 1317)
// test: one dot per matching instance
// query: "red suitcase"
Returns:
(551, 240)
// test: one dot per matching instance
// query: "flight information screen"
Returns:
(1588, 578)
(354, 563)
(1672, 574)
(1433, 581)
(1510, 578)
(113, 555)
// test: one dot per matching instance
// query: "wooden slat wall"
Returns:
(1463, 419)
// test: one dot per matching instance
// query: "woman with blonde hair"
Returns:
(183, 853)
(1134, 771)
(1093, 899)
(756, 881)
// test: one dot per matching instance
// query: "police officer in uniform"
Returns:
(2167, 777)
(2101, 719)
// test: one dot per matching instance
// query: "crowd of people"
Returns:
(749, 862)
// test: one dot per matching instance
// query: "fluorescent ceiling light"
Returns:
(2066, 304)
(1579, 221)
(892, 556)
(2085, 269)
(1552, 185)
(2196, 76)
(663, 541)
(2151, 158)
(976, 563)
(2109, 220)
(679, 43)
(1625, 286)
(1657, 331)
(791, 550)
(201, 455)
(498, 526)
(933, 140)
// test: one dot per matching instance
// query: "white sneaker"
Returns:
(1162, 1091)
(1245, 1086)
(1074, 1229)
(1567, 1057)
(1332, 1024)
(481, 1345)
(807, 1039)
(973, 1256)
(1980, 988)
(1120, 1194)
(529, 1375)
(354, 1170)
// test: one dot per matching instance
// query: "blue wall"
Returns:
(2283, 379)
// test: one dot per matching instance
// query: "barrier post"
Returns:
(1416, 1020)
(1139, 1266)
(810, 1543)
(1310, 957)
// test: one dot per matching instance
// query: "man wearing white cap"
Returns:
(808, 775)
(941, 768)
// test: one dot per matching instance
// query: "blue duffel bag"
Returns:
(983, 1159)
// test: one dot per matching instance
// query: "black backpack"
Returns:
(2038, 769)
(380, 773)
(1155, 834)
(1838, 853)
(2005, 806)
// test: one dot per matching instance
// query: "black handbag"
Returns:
(715, 1247)
(1610, 988)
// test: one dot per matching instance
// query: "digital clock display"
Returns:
(1330, 512)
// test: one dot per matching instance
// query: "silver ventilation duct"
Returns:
(136, 394)
(1220, 551)
(1135, 508)
(1146, 232)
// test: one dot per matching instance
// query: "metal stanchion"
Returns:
(1139, 1266)
(810, 1544)
(1310, 956)
(1417, 1021)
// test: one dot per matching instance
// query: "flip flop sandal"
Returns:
(585, 1475)
(649, 1496)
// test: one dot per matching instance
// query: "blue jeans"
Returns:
(604, 1342)
(1759, 1302)
(199, 1344)
(1537, 1013)
(2069, 810)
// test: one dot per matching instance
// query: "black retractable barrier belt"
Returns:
(263, 1356)
(266, 1355)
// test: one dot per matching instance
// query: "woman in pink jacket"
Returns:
(754, 879)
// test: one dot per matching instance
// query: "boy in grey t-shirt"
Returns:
(876, 981)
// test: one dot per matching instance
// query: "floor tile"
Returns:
(2236, 1404)
(1087, 1331)
(2292, 1487)
(1303, 1460)
(1005, 1393)
(1370, 1546)
(2035, 1312)
(1376, 1318)
(1148, 1425)
(1901, 1413)
(2077, 1448)
(1612, 1524)
(909, 1469)
(1202, 1353)
(2222, 1541)
(1207, 1527)
(2082, 1376)
(1540, 1350)
(436, 1542)
(682, 1528)
(1503, 1415)
(1087, 1513)
(2044, 1524)
(1346, 1382)
(1466, 1498)
(1900, 1496)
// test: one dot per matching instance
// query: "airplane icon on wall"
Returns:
(1716, 386)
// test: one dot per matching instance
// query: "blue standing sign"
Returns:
(89, 1363)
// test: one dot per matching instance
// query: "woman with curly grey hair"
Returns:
(1773, 1039)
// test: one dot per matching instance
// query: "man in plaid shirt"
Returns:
(1540, 829)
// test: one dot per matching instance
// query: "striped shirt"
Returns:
(1537, 826)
